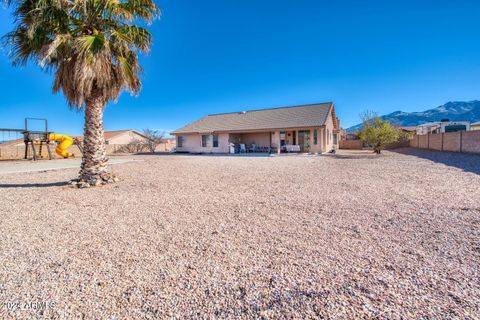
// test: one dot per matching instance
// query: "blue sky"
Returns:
(220, 56)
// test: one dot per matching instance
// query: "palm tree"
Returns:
(92, 48)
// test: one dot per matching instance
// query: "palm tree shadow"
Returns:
(34, 185)
(465, 161)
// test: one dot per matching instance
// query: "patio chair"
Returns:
(243, 149)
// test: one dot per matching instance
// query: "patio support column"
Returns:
(276, 141)
(323, 139)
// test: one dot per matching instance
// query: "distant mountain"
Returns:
(454, 111)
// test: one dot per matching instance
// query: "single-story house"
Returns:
(308, 128)
(124, 137)
(475, 126)
(120, 136)
(408, 129)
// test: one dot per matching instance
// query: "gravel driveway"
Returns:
(346, 236)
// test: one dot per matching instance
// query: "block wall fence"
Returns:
(468, 141)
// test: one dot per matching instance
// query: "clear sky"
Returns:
(216, 56)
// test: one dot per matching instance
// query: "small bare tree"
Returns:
(134, 146)
(154, 138)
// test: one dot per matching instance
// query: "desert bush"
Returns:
(377, 132)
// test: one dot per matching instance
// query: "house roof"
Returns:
(408, 128)
(475, 123)
(112, 134)
(312, 115)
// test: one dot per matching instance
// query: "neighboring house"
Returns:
(475, 126)
(124, 137)
(443, 126)
(121, 137)
(310, 128)
(408, 129)
(166, 145)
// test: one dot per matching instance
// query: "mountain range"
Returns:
(454, 111)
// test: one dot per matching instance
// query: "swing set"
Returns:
(39, 138)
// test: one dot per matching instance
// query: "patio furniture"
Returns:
(252, 148)
(292, 148)
(243, 149)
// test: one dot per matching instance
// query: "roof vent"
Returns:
(445, 120)
(242, 112)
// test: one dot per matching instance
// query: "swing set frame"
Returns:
(32, 137)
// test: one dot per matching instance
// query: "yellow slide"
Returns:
(65, 143)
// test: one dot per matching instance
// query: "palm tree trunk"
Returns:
(93, 171)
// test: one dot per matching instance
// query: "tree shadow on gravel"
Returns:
(356, 154)
(464, 161)
(34, 185)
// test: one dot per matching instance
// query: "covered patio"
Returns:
(279, 141)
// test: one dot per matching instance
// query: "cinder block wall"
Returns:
(468, 142)
(471, 141)
(451, 141)
(423, 141)
(436, 141)
(351, 144)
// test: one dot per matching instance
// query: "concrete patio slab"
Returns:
(19, 166)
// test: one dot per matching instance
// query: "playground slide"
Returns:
(65, 143)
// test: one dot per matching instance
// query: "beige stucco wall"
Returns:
(329, 130)
(125, 138)
(475, 127)
(193, 143)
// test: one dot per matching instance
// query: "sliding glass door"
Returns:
(304, 140)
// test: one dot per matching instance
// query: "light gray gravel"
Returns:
(346, 236)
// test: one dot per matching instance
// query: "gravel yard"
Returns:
(346, 236)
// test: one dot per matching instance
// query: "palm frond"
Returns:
(91, 45)
(141, 9)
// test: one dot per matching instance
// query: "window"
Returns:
(204, 141)
(179, 141)
(215, 140)
(334, 138)
(315, 136)
(328, 136)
